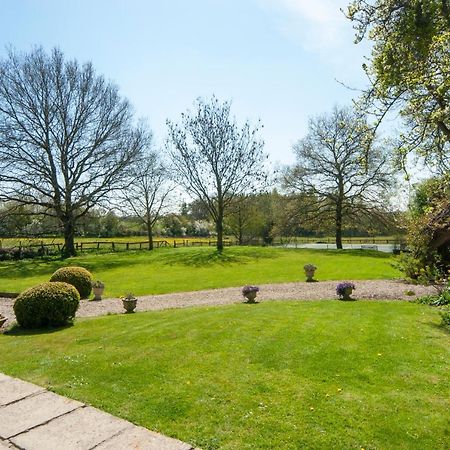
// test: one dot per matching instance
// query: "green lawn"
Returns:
(276, 375)
(188, 269)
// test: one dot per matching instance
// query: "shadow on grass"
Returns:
(352, 252)
(17, 330)
(92, 262)
(194, 257)
(440, 327)
(208, 257)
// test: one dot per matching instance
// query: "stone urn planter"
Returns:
(129, 303)
(3, 319)
(98, 287)
(310, 270)
(249, 292)
(344, 290)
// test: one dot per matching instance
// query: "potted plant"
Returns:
(309, 269)
(3, 319)
(129, 302)
(344, 290)
(249, 292)
(98, 287)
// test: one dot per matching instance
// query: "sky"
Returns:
(278, 61)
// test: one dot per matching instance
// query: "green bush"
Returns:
(76, 276)
(445, 316)
(47, 304)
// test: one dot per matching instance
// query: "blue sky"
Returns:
(277, 60)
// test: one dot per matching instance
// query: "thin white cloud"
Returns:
(318, 25)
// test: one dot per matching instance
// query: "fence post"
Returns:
(175, 244)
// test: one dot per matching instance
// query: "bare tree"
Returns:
(148, 193)
(66, 136)
(214, 159)
(341, 170)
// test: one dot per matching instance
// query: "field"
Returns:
(187, 269)
(277, 375)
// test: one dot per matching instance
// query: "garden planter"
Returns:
(310, 275)
(310, 270)
(250, 296)
(347, 292)
(344, 290)
(129, 304)
(98, 292)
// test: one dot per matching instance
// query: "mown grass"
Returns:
(189, 269)
(276, 375)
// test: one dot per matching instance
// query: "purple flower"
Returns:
(342, 287)
(249, 288)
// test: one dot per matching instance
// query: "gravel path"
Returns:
(370, 289)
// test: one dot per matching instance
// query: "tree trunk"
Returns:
(339, 226)
(219, 224)
(150, 236)
(69, 238)
(241, 226)
(219, 229)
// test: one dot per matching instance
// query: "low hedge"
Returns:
(47, 304)
(76, 276)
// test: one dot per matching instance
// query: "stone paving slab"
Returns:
(81, 429)
(29, 412)
(142, 439)
(12, 390)
(42, 420)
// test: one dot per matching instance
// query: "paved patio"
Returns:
(32, 418)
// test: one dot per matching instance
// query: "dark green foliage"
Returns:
(445, 316)
(76, 276)
(47, 304)
(442, 297)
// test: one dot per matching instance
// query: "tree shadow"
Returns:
(17, 330)
(207, 257)
(200, 258)
(440, 327)
(353, 252)
(48, 265)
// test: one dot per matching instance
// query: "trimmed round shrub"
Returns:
(47, 304)
(76, 276)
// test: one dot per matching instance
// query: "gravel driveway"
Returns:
(370, 289)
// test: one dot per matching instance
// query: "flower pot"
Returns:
(250, 296)
(129, 304)
(98, 292)
(346, 293)
(310, 274)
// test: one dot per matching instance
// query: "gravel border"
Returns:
(324, 290)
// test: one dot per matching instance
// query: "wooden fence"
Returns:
(43, 248)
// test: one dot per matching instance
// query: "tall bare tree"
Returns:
(66, 136)
(148, 193)
(214, 159)
(340, 169)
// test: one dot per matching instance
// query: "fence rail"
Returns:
(44, 248)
